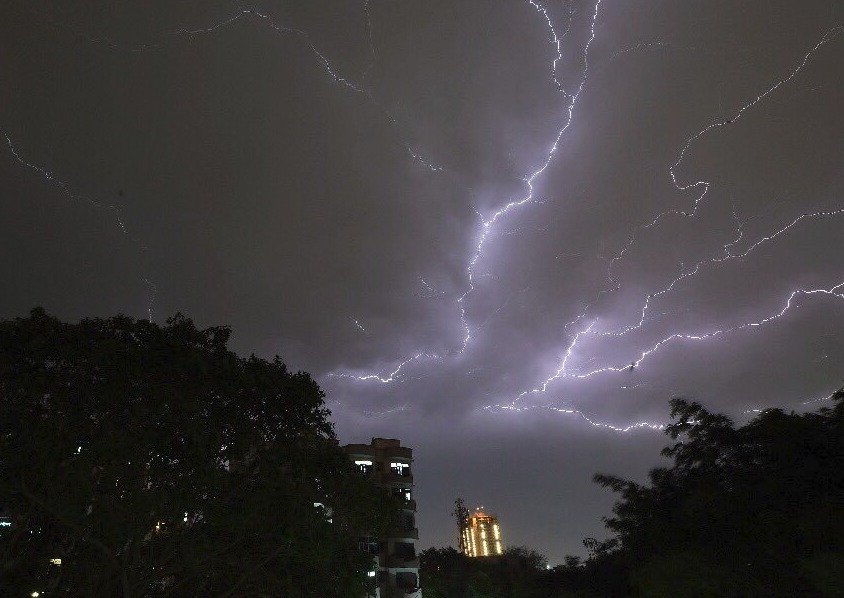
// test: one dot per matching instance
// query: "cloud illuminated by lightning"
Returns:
(487, 224)
(727, 255)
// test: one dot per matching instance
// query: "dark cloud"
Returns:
(217, 167)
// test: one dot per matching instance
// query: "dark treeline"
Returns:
(756, 510)
(145, 460)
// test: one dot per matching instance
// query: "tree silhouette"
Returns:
(152, 461)
(748, 511)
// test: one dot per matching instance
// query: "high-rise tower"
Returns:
(480, 532)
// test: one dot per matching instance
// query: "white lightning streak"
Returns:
(727, 251)
(305, 38)
(720, 332)
(560, 370)
(578, 413)
(387, 378)
(826, 38)
(64, 189)
(728, 256)
(488, 223)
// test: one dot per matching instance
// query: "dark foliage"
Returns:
(446, 573)
(153, 461)
(753, 511)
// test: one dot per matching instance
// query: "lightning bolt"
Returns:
(219, 25)
(487, 224)
(66, 190)
(727, 254)
(833, 291)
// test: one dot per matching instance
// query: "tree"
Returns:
(151, 460)
(743, 511)
(446, 573)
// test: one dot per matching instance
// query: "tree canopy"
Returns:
(749, 511)
(152, 461)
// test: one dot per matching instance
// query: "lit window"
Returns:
(370, 573)
(364, 465)
(55, 561)
(403, 493)
(402, 469)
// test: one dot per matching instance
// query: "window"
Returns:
(403, 493)
(406, 580)
(404, 551)
(409, 522)
(369, 546)
(364, 465)
(402, 469)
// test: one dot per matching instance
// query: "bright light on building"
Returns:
(479, 527)
(365, 465)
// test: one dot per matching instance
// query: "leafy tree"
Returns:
(446, 573)
(153, 461)
(749, 511)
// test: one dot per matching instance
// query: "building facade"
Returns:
(480, 535)
(395, 557)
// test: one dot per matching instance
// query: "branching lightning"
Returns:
(727, 254)
(487, 224)
(587, 325)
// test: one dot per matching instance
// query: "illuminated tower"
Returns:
(481, 535)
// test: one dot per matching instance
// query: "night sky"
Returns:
(372, 190)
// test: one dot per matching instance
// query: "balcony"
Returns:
(402, 452)
(401, 533)
(397, 562)
(392, 477)
(409, 533)
(407, 583)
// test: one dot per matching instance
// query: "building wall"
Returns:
(389, 465)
